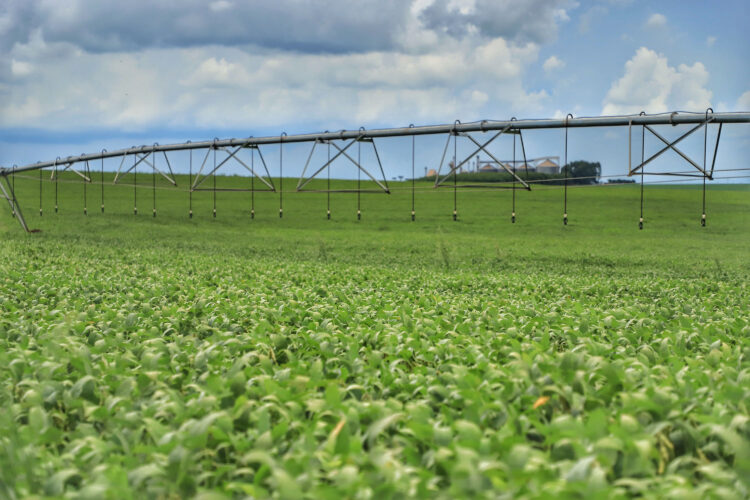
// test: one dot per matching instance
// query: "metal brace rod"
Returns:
(146, 155)
(456, 166)
(341, 151)
(265, 166)
(147, 162)
(217, 167)
(169, 166)
(307, 163)
(13, 202)
(667, 147)
(384, 188)
(68, 166)
(674, 148)
(377, 156)
(250, 169)
(119, 168)
(52, 174)
(716, 149)
(208, 151)
(505, 167)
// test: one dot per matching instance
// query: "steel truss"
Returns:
(232, 155)
(147, 155)
(481, 147)
(673, 146)
(382, 184)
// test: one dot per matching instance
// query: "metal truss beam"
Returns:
(670, 145)
(483, 126)
(269, 181)
(232, 155)
(10, 196)
(383, 185)
(480, 147)
(68, 166)
(143, 158)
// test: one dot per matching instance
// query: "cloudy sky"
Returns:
(80, 75)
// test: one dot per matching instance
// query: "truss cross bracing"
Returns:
(342, 151)
(342, 142)
(456, 166)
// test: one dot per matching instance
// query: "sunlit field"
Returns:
(296, 357)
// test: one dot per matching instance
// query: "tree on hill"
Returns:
(586, 172)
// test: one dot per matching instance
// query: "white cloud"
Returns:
(20, 68)
(656, 21)
(220, 87)
(710, 41)
(650, 84)
(743, 103)
(337, 26)
(553, 63)
(220, 5)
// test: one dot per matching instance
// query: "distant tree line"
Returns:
(579, 172)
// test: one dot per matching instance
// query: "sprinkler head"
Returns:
(328, 214)
(252, 214)
(154, 212)
(214, 213)
(102, 208)
(135, 210)
(359, 215)
(703, 220)
(565, 219)
(513, 217)
(281, 213)
(455, 215)
(413, 216)
(40, 212)
(191, 214)
(85, 212)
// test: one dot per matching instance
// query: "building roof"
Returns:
(431, 172)
(548, 163)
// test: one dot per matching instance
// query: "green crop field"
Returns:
(169, 357)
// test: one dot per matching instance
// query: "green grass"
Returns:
(171, 357)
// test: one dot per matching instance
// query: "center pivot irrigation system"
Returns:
(340, 144)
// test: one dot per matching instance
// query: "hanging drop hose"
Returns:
(56, 160)
(85, 203)
(359, 173)
(705, 145)
(566, 168)
(455, 171)
(102, 179)
(328, 188)
(153, 181)
(513, 208)
(135, 186)
(40, 192)
(281, 174)
(213, 175)
(643, 155)
(413, 146)
(359, 177)
(252, 183)
(13, 188)
(190, 185)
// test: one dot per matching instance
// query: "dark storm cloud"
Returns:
(525, 21)
(335, 26)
